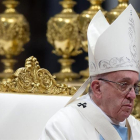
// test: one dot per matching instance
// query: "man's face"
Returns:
(113, 102)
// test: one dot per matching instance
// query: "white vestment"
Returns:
(76, 122)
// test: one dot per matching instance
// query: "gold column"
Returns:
(63, 35)
(14, 33)
(83, 22)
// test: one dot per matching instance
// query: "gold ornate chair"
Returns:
(24, 106)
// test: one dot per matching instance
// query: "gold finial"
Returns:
(95, 5)
(14, 33)
(63, 35)
(10, 6)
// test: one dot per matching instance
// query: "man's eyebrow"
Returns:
(127, 79)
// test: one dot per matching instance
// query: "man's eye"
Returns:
(124, 86)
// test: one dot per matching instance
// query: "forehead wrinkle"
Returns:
(128, 79)
(123, 75)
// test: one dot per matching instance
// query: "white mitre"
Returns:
(113, 47)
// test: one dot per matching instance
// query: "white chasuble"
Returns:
(81, 120)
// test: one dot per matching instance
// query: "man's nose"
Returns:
(132, 93)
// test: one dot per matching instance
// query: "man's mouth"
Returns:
(129, 106)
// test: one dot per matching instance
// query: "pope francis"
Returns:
(114, 65)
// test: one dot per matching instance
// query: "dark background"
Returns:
(37, 13)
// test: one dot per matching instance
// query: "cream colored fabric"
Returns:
(70, 123)
(93, 118)
(23, 116)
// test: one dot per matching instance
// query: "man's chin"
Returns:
(124, 116)
(125, 113)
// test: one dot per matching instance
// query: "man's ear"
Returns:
(95, 86)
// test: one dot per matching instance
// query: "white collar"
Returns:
(90, 100)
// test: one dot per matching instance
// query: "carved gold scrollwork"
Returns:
(33, 79)
(14, 30)
(64, 38)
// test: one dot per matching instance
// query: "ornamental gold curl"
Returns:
(33, 79)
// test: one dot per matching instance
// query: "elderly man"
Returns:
(114, 63)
